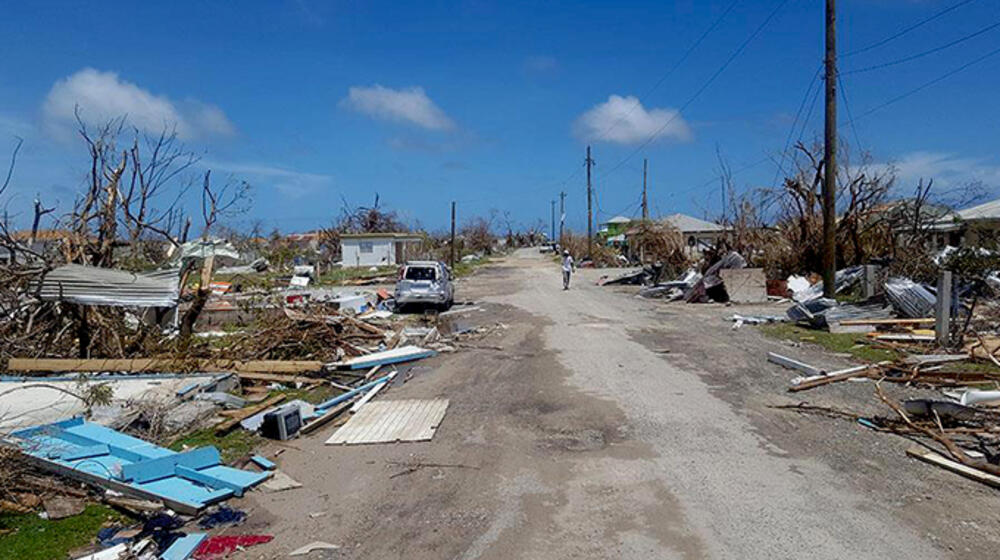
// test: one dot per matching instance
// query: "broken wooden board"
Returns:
(394, 356)
(745, 285)
(279, 482)
(392, 421)
(158, 365)
(278, 378)
(928, 456)
(244, 413)
(327, 417)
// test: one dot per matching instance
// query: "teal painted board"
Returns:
(263, 463)
(163, 467)
(184, 547)
(186, 482)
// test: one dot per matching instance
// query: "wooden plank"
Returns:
(392, 421)
(928, 456)
(363, 325)
(278, 378)
(159, 365)
(279, 366)
(924, 321)
(326, 418)
(826, 380)
(372, 392)
(227, 426)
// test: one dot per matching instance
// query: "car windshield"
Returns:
(420, 273)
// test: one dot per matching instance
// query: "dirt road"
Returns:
(613, 427)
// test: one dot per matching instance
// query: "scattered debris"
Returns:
(280, 482)
(315, 545)
(223, 545)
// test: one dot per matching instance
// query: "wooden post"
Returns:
(942, 310)
(645, 202)
(830, 155)
(590, 221)
(562, 215)
(452, 260)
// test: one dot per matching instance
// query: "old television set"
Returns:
(282, 424)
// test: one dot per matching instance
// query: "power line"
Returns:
(908, 29)
(847, 107)
(795, 123)
(670, 72)
(925, 53)
(927, 84)
(701, 90)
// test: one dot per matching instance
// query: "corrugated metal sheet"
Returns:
(88, 285)
(690, 224)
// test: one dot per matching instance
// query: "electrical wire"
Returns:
(684, 57)
(927, 84)
(907, 30)
(795, 123)
(739, 50)
(847, 106)
(924, 53)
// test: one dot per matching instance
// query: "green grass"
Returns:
(234, 445)
(312, 395)
(239, 442)
(34, 538)
(840, 342)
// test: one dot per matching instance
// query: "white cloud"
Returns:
(623, 120)
(101, 96)
(946, 169)
(409, 105)
(289, 182)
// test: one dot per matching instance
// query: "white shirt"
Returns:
(567, 264)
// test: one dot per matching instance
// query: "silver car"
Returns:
(427, 283)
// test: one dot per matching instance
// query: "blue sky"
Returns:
(488, 103)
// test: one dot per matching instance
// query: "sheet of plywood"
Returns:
(391, 421)
(745, 285)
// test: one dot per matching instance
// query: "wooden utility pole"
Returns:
(590, 214)
(553, 230)
(645, 203)
(562, 215)
(830, 155)
(452, 263)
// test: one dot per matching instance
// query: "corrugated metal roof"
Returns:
(387, 235)
(89, 285)
(986, 211)
(687, 223)
(619, 220)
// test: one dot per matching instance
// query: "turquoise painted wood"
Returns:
(186, 482)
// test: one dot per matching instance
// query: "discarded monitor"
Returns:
(282, 424)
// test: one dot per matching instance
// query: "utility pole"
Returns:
(830, 155)
(590, 220)
(645, 203)
(562, 215)
(553, 206)
(452, 235)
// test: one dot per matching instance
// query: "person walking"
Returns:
(567, 268)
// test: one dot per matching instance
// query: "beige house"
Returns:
(698, 234)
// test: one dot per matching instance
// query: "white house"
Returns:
(378, 249)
